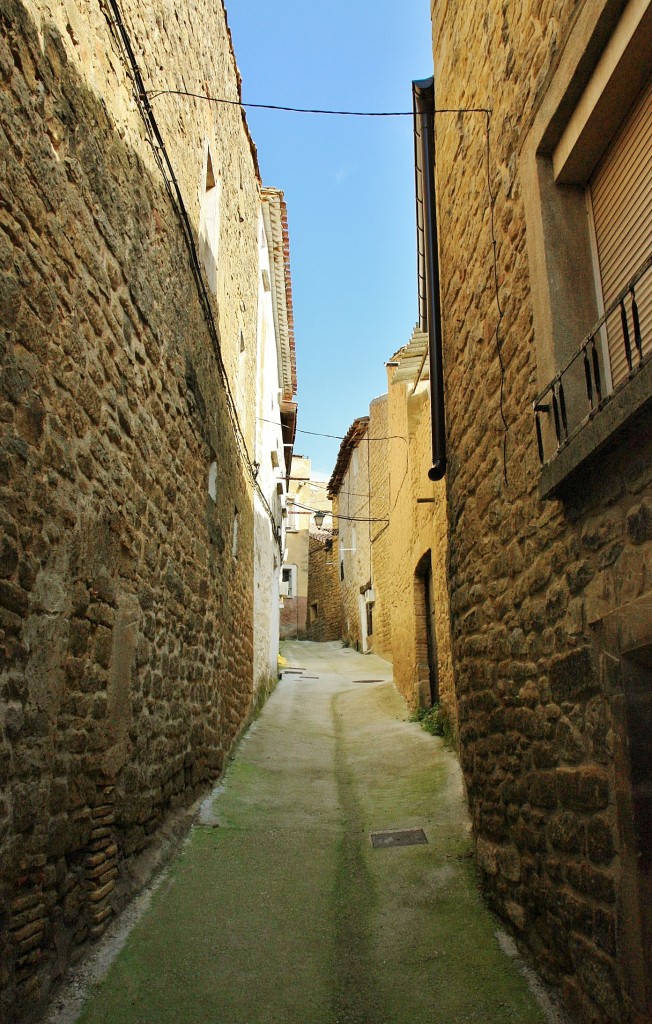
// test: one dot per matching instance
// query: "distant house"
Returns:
(305, 497)
(349, 490)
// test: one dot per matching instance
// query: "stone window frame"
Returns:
(210, 195)
(560, 244)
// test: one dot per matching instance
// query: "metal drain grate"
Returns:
(409, 837)
(367, 680)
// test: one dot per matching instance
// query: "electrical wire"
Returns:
(336, 515)
(339, 437)
(145, 96)
(154, 94)
(159, 150)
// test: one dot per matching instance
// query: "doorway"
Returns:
(426, 633)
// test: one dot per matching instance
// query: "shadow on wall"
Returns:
(125, 672)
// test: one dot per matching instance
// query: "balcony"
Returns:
(603, 385)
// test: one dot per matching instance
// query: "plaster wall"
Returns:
(351, 506)
(270, 458)
(308, 494)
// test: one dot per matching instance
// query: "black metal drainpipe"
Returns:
(424, 109)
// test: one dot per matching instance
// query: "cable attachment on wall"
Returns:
(497, 336)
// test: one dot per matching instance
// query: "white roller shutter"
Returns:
(621, 198)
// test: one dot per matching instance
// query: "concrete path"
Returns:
(280, 910)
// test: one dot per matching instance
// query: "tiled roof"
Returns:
(412, 358)
(354, 435)
(276, 224)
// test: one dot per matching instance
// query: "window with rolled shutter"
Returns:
(621, 199)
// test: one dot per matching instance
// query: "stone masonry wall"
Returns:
(542, 593)
(125, 606)
(324, 590)
(379, 510)
(417, 538)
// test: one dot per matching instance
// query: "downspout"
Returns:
(423, 93)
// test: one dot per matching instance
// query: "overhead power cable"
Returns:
(336, 515)
(154, 94)
(338, 437)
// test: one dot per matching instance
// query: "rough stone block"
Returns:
(572, 676)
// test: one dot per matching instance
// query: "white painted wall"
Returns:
(269, 450)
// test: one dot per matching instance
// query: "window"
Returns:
(289, 581)
(370, 618)
(293, 516)
(355, 462)
(587, 183)
(209, 223)
(236, 526)
(619, 194)
(212, 480)
(314, 612)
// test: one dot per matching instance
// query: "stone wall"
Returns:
(379, 511)
(351, 507)
(125, 601)
(550, 600)
(417, 544)
(294, 614)
(323, 591)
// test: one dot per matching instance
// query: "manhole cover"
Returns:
(367, 680)
(411, 837)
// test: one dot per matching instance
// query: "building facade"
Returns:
(305, 496)
(392, 536)
(417, 543)
(130, 288)
(276, 384)
(324, 605)
(543, 181)
(349, 489)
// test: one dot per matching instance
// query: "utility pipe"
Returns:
(423, 93)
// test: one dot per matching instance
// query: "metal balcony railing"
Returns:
(597, 370)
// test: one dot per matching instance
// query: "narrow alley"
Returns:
(281, 908)
(325, 329)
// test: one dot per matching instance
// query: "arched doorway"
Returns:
(426, 635)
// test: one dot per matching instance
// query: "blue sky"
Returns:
(348, 183)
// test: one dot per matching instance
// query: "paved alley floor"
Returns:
(281, 911)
